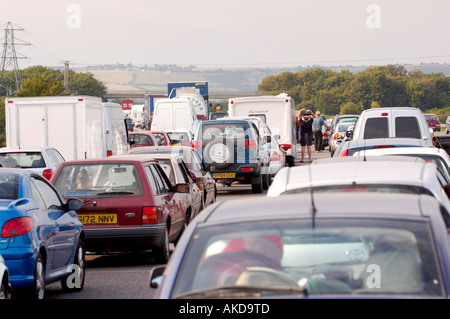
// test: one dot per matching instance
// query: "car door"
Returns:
(64, 234)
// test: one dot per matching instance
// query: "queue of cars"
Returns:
(361, 226)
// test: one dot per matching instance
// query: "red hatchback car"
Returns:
(129, 203)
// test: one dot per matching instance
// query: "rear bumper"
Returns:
(20, 263)
(136, 238)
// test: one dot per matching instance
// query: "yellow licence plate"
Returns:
(224, 175)
(99, 219)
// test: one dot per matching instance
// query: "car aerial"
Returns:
(129, 203)
(433, 122)
(161, 138)
(42, 238)
(447, 125)
(140, 139)
(44, 160)
(337, 135)
(196, 167)
(231, 150)
(349, 147)
(379, 174)
(180, 137)
(5, 286)
(434, 154)
(178, 173)
(339, 245)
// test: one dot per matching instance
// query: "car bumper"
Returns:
(20, 263)
(124, 238)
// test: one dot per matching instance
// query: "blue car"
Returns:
(42, 238)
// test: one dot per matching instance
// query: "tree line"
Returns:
(342, 92)
(42, 81)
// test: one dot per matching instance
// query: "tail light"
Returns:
(47, 173)
(250, 144)
(288, 146)
(197, 145)
(17, 227)
(325, 133)
(336, 136)
(383, 146)
(108, 153)
(149, 215)
(343, 153)
(275, 157)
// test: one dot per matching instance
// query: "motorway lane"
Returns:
(126, 275)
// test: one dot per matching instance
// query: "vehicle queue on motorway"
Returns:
(360, 224)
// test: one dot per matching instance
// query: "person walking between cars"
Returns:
(318, 124)
(306, 132)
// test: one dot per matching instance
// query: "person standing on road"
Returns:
(306, 132)
(318, 124)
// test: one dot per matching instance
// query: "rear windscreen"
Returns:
(376, 127)
(407, 127)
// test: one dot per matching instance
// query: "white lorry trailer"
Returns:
(79, 127)
(278, 112)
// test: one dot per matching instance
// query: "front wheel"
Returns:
(75, 281)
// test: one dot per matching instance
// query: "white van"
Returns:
(278, 112)
(406, 122)
(115, 129)
(172, 114)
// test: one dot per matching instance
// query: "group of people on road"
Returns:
(310, 124)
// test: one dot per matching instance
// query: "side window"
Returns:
(158, 180)
(407, 127)
(196, 161)
(376, 127)
(151, 180)
(49, 196)
(37, 197)
(164, 180)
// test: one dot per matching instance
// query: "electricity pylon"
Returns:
(10, 82)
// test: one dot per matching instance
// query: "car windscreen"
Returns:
(106, 179)
(348, 256)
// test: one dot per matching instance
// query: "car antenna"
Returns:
(312, 209)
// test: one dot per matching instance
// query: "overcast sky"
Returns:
(228, 33)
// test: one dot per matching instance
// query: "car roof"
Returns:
(223, 121)
(155, 149)
(25, 149)
(338, 205)
(404, 150)
(118, 158)
(386, 141)
(354, 172)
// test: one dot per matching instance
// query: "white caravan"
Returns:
(278, 112)
(77, 126)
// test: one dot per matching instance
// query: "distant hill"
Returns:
(154, 79)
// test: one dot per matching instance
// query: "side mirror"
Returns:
(277, 137)
(74, 204)
(182, 188)
(156, 274)
(267, 139)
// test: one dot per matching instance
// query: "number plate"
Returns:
(224, 175)
(99, 219)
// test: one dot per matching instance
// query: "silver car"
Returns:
(339, 245)
(353, 174)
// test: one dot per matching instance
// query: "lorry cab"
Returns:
(115, 129)
(175, 113)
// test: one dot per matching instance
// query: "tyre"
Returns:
(257, 188)
(75, 281)
(219, 153)
(266, 181)
(161, 253)
(37, 291)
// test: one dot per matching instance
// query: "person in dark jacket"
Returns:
(306, 131)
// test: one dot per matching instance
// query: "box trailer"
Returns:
(75, 125)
